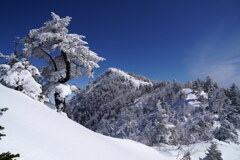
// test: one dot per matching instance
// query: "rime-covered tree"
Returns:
(226, 132)
(233, 93)
(209, 85)
(197, 84)
(21, 76)
(65, 54)
(217, 99)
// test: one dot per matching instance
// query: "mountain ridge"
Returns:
(156, 112)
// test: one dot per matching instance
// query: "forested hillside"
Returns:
(125, 105)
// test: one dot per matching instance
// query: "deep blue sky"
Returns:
(162, 39)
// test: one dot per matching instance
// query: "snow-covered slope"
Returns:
(230, 151)
(39, 133)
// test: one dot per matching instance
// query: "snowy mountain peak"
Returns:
(117, 77)
(135, 80)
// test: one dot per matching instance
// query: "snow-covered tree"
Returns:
(186, 156)
(226, 132)
(213, 153)
(233, 116)
(66, 55)
(197, 84)
(209, 85)
(234, 94)
(217, 99)
(21, 75)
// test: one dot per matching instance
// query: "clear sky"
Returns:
(160, 39)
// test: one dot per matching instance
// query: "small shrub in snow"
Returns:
(8, 156)
(1, 127)
(186, 156)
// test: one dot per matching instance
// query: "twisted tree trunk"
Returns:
(59, 101)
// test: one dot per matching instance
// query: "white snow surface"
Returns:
(187, 90)
(230, 151)
(189, 93)
(202, 93)
(191, 97)
(37, 132)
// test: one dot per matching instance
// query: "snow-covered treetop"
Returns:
(74, 58)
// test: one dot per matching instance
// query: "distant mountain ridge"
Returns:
(122, 104)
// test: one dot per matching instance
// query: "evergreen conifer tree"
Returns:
(6, 155)
(186, 156)
(213, 153)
